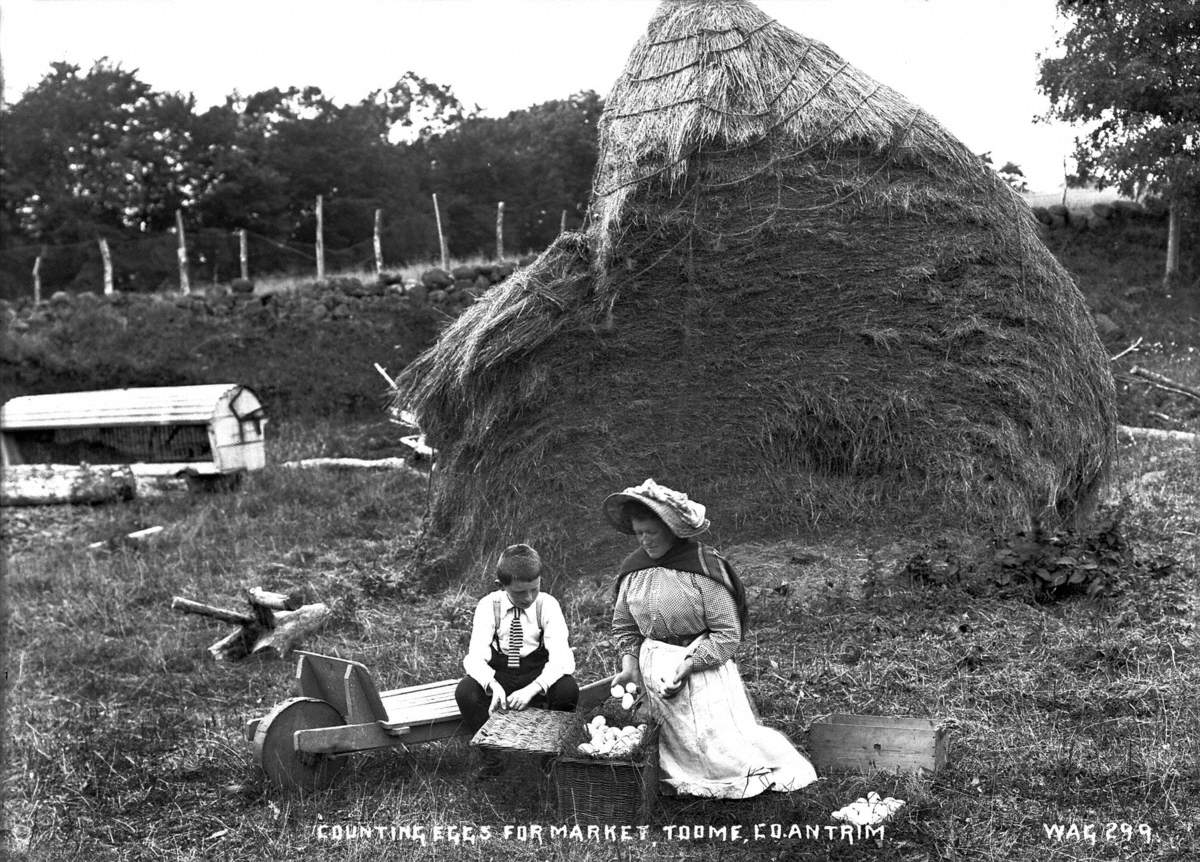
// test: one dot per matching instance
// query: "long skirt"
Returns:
(710, 743)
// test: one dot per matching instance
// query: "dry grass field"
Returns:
(123, 740)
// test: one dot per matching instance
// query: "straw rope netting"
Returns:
(798, 298)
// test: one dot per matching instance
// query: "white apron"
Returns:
(709, 741)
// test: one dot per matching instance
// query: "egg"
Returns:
(616, 691)
(869, 810)
(626, 701)
(631, 688)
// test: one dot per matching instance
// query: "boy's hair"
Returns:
(518, 563)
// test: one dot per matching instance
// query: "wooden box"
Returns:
(862, 743)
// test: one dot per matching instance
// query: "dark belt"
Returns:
(680, 640)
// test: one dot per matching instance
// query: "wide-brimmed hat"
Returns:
(683, 517)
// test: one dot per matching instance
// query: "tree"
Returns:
(1011, 173)
(267, 156)
(1132, 68)
(94, 152)
(538, 160)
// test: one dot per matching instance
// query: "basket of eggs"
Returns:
(607, 768)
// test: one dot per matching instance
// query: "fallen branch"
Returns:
(390, 382)
(130, 540)
(1157, 434)
(1128, 349)
(1165, 382)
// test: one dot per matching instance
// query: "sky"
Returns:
(972, 64)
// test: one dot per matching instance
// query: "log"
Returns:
(236, 645)
(187, 606)
(48, 484)
(1157, 434)
(274, 601)
(281, 636)
(291, 627)
(353, 464)
(278, 623)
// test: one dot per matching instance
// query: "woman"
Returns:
(678, 621)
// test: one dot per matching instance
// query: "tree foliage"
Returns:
(1131, 69)
(102, 153)
(539, 161)
(96, 151)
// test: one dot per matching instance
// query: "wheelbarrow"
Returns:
(304, 742)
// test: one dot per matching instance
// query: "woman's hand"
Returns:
(685, 669)
(630, 672)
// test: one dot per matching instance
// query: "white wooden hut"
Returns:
(201, 430)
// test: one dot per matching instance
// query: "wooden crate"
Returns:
(862, 743)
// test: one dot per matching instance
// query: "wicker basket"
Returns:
(528, 731)
(603, 791)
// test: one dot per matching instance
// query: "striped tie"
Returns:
(515, 636)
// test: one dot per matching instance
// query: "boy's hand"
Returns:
(520, 699)
(497, 697)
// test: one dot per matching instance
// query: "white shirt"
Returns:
(560, 661)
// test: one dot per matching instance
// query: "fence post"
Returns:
(437, 214)
(243, 255)
(37, 280)
(184, 286)
(320, 238)
(378, 242)
(500, 230)
(107, 258)
(1172, 267)
(562, 222)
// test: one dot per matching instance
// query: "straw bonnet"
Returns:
(683, 517)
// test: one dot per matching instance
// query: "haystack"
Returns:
(797, 297)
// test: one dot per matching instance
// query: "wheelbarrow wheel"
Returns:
(275, 750)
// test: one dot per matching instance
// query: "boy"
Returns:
(519, 655)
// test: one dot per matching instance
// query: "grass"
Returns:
(124, 739)
(411, 273)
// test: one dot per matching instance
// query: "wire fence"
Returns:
(152, 263)
(215, 255)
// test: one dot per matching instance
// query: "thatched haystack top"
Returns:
(712, 75)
